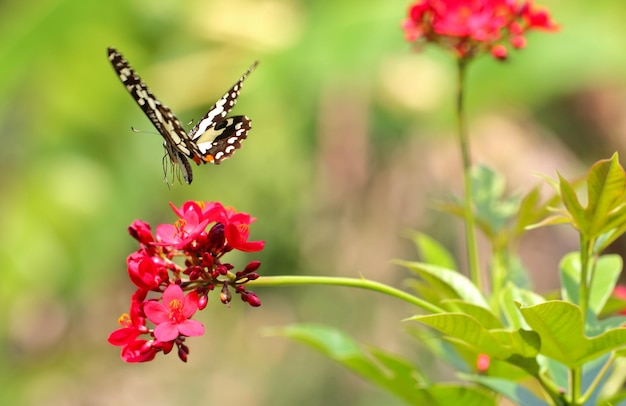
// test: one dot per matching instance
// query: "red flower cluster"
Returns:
(470, 27)
(200, 237)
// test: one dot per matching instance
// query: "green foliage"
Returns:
(432, 252)
(514, 391)
(560, 327)
(608, 270)
(604, 218)
(383, 369)
(497, 343)
(446, 283)
(534, 346)
(74, 176)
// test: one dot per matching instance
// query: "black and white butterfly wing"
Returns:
(216, 136)
(223, 139)
(213, 139)
(176, 142)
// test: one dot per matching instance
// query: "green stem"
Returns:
(588, 261)
(551, 389)
(470, 223)
(583, 288)
(586, 255)
(498, 274)
(575, 385)
(597, 379)
(350, 282)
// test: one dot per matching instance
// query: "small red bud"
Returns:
(499, 52)
(251, 298)
(482, 363)
(182, 355)
(202, 301)
(252, 266)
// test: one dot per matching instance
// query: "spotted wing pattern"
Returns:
(218, 136)
(213, 139)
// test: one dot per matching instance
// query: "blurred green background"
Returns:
(352, 138)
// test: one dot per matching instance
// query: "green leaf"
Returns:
(606, 273)
(551, 221)
(560, 328)
(443, 350)
(610, 323)
(522, 343)
(404, 373)
(428, 291)
(569, 269)
(445, 395)
(448, 284)
(388, 372)
(511, 268)
(463, 358)
(613, 305)
(605, 213)
(383, 369)
(493, 211)
(529, 211)
(432, 252)
(512, 294)
(497, 343)
(519, 394)
(606, 182)
(619, 399)
(573, 206)
(618, 220)
(484, 316)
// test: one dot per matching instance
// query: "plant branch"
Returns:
(349, 282)
(470, 222)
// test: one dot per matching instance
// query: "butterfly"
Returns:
(213, 139)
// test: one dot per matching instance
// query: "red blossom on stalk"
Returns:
(620, 293)
(482, 363)
(471, 27)
(172, 316)
(202, 235)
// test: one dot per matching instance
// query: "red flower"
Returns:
(133, 325)
(237, 231)
(482, 363)
(203, 234)
(172, 315)
(189, 226)
(146, 271)
(620, 293)
(139, 351)
(469, 27)
(141, 232)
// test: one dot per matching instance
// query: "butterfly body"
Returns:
(213, 139)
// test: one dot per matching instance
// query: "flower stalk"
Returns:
(470, 221)
(348, 282)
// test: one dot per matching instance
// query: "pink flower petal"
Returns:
(156, 312)
(167, 331)
(173, 292)
(191, 328)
